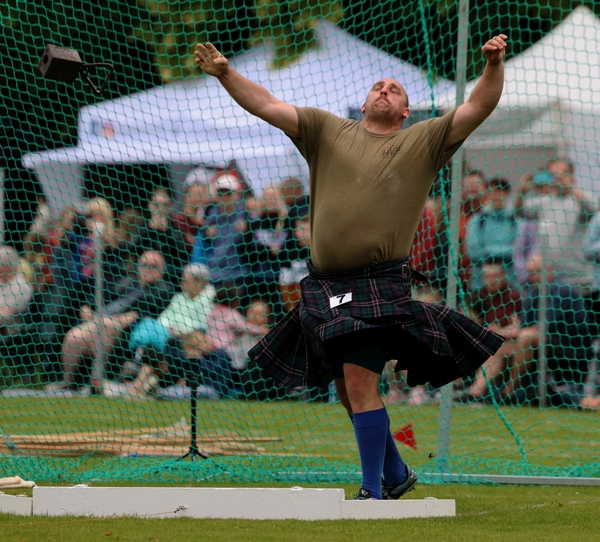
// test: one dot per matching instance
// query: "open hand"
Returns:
(495, 49)
(210, 60)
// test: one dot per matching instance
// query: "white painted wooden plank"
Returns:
(400, 509)
(11, 504)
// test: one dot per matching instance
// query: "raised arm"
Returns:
(252, 97)
(485, 95)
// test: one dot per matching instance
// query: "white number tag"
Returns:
(338, 300)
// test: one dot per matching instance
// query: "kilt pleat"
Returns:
(433, 343)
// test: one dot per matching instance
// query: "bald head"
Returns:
(385, 107)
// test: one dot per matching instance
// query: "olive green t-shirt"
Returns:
(367, 191)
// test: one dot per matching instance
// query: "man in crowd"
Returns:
(265, 238)
(568, 336)
(160, 234)
(144, 295)
(500, 307)
(561, 214)
(15, 291)
(225, 228)
(294, 258)
(491, 233)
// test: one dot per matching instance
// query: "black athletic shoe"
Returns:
(392, 493)
(364, 495)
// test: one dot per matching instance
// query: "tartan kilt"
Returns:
(433, 343)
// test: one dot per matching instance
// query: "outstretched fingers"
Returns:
(211, 48)
(199, 52)
(210, 60)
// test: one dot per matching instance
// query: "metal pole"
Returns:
(457, 162)
(101, 335)
(542, 310)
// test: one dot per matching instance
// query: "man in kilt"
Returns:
(369, 181)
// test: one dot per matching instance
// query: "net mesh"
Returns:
(154, 233)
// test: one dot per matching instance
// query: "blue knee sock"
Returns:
(371, 429)
(394, 468)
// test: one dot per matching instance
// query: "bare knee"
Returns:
(362, 388)
(340, 387)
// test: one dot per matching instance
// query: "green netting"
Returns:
(160, 224)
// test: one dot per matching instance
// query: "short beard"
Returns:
(384, 117)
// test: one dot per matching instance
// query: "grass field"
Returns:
(317, 450)
(314, 437)
(513, 513)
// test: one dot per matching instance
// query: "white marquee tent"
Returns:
(196, 122)
(549, 105)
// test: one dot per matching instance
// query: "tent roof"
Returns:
(545, 86)
(196, 121)
(564, 65)
(335, 76)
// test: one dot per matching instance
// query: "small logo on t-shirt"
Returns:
(390, 151)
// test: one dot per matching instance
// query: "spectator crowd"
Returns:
(527, 268)
(145, 303)
(121, 302)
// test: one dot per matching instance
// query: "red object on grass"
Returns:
(406, 435)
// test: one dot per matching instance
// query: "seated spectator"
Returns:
(294, 199)
(175, 345)
(499, 307)
(128, 223)
(38, 332)
(223, 370)
(255, 384)
(144, 295)
(568, 339)
(18, 287)
(591, 251)
(42, 222)
(491, 233)
(173, 373)
(15, 291)
(293, 258)
(227, 326)
(474, 188)
(186, 314)
(225, 228)
(115, 255)
(265, 238)
(160, 235)
(259, 315)
(196, 202)
(17, 337)
(37, 251)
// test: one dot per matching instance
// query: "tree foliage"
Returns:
(151, 42)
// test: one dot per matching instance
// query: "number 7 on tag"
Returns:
(338, 300)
